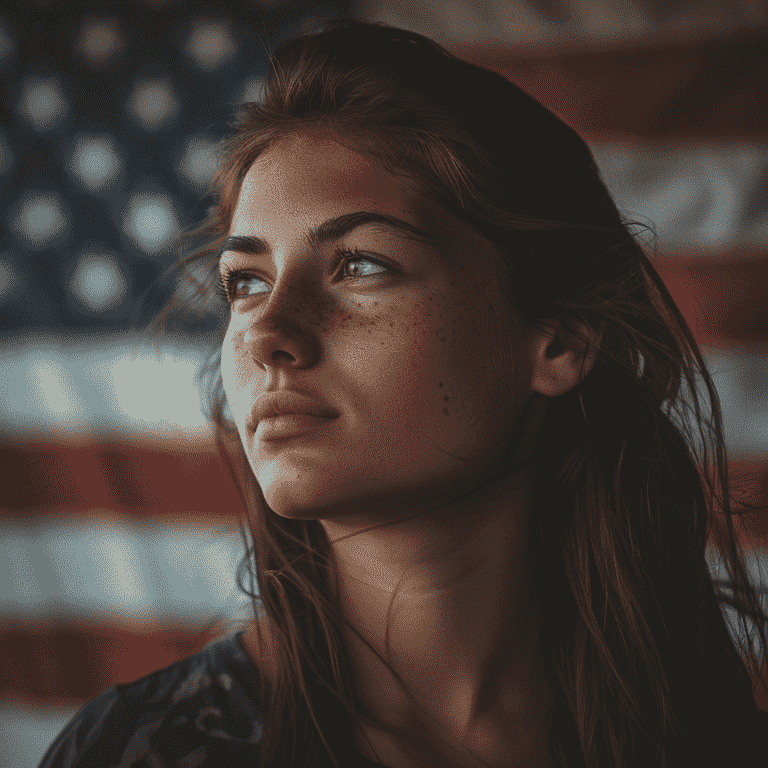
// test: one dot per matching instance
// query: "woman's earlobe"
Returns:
(561, 361)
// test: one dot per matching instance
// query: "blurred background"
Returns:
(119, 540)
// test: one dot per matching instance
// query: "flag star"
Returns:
(94, 162)
(153, 102)
(99, 41)
(40, 219)
(150, 222)
(98, 282)
(199, 165)
(211, 44)
(42, 102)
(253, 89)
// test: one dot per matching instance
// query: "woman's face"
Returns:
(411, 347)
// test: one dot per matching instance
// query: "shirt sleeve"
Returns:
(199, 712)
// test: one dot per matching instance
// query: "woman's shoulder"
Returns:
(196, 711)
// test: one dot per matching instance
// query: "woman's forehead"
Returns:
(317, 168)
(308, 170)
(307, 178)
(298, 183)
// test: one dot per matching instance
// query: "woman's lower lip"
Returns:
(288, 425)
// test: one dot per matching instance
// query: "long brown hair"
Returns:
(638, 651)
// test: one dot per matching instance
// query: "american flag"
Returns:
(120, 539)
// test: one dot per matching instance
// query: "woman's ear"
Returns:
(560, 360)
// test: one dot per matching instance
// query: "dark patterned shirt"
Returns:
(200, 712)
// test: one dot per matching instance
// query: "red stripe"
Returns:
(49, 665)
(724, 299)
(141, 479)
(65, 666)
(690, 88)
(169, 490)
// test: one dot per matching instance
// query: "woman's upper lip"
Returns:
(281, 401)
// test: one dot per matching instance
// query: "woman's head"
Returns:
(412, 342)
(514, 204)
(363, 117)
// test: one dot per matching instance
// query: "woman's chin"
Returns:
(307, 506)
(292, 509)
(316, 506)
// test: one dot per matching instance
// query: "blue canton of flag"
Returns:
(110, 114)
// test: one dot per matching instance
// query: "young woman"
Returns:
(457, 394)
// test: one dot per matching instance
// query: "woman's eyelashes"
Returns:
(234, 284)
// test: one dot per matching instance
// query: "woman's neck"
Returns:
(447, 600)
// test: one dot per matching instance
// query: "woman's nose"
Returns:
(277, 341)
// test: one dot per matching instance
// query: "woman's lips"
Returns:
(289, 402)
(290, 425)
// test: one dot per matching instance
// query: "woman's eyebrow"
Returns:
(330, 230)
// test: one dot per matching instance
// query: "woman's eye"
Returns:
(244, 286)
(236, 284)
(356, 272)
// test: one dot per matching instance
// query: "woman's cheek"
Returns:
(233, 370)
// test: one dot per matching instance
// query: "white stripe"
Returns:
(739, 378)
(700, 197)
(59, 387)
(89, 385)
(26, 733)
(79, 568)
